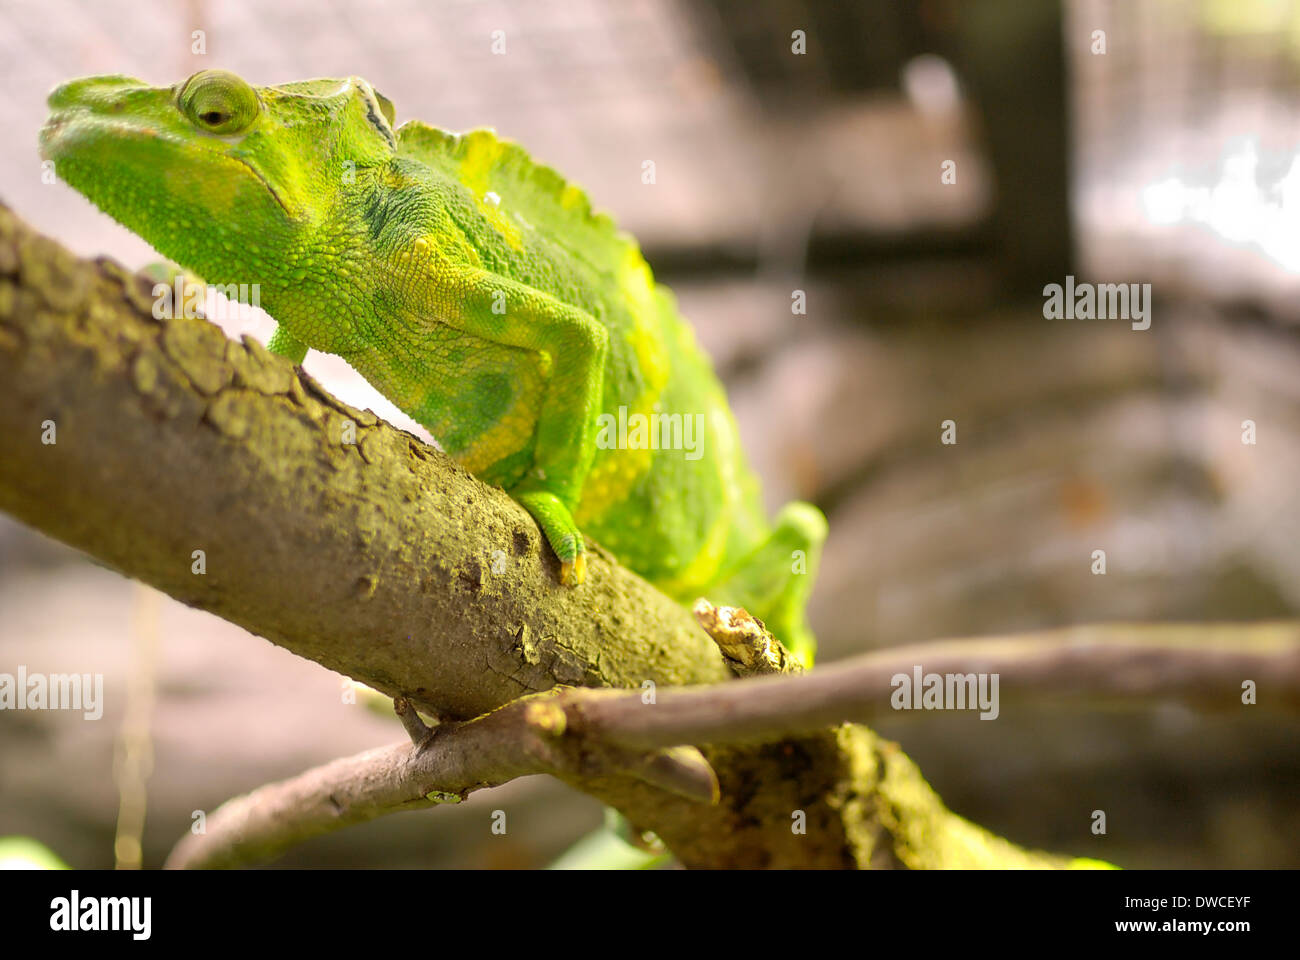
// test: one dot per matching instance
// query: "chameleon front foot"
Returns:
(573, 572)
(560, 531)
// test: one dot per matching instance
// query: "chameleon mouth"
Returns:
(55, 136)
(53, 126)
(267, 185)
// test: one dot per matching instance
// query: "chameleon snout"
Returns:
(104, 93)
(78, 106)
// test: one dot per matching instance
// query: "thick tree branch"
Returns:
(380, 559)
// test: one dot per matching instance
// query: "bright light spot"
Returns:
(1163, 201)
(1236, 207)
(931, 84)
(1236, 211)
(19, 863)
(1288, 189)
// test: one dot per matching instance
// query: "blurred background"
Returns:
(1142, 141)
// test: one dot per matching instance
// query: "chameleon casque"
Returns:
(473, 287)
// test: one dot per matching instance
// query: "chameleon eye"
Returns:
(219, 102)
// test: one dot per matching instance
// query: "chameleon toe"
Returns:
(573, 572)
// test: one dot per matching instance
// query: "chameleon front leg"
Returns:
(283, 343)
(503, 311)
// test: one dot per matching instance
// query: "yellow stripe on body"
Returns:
(704, 569)
(507, 436)
(613, 476)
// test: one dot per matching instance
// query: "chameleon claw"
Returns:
(573, 572)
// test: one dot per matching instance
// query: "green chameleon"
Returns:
(473, 287)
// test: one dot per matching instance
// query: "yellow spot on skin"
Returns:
(570, 197)
(612, 477)
(510, 233)
(701, 571)
(505, 437)
(482, 152)
(704, 568)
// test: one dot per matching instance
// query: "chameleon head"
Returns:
(214, 173)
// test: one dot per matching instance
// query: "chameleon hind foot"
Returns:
(774, 581)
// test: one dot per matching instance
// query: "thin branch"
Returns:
(1203, 664)
(601, 730)
(453, 760)
(414, 724)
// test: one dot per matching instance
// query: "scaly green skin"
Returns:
(474, 288)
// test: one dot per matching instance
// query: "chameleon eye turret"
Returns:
(219, 102)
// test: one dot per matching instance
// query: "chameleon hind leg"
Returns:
(773, 581)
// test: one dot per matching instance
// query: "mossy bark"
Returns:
(383, 560)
